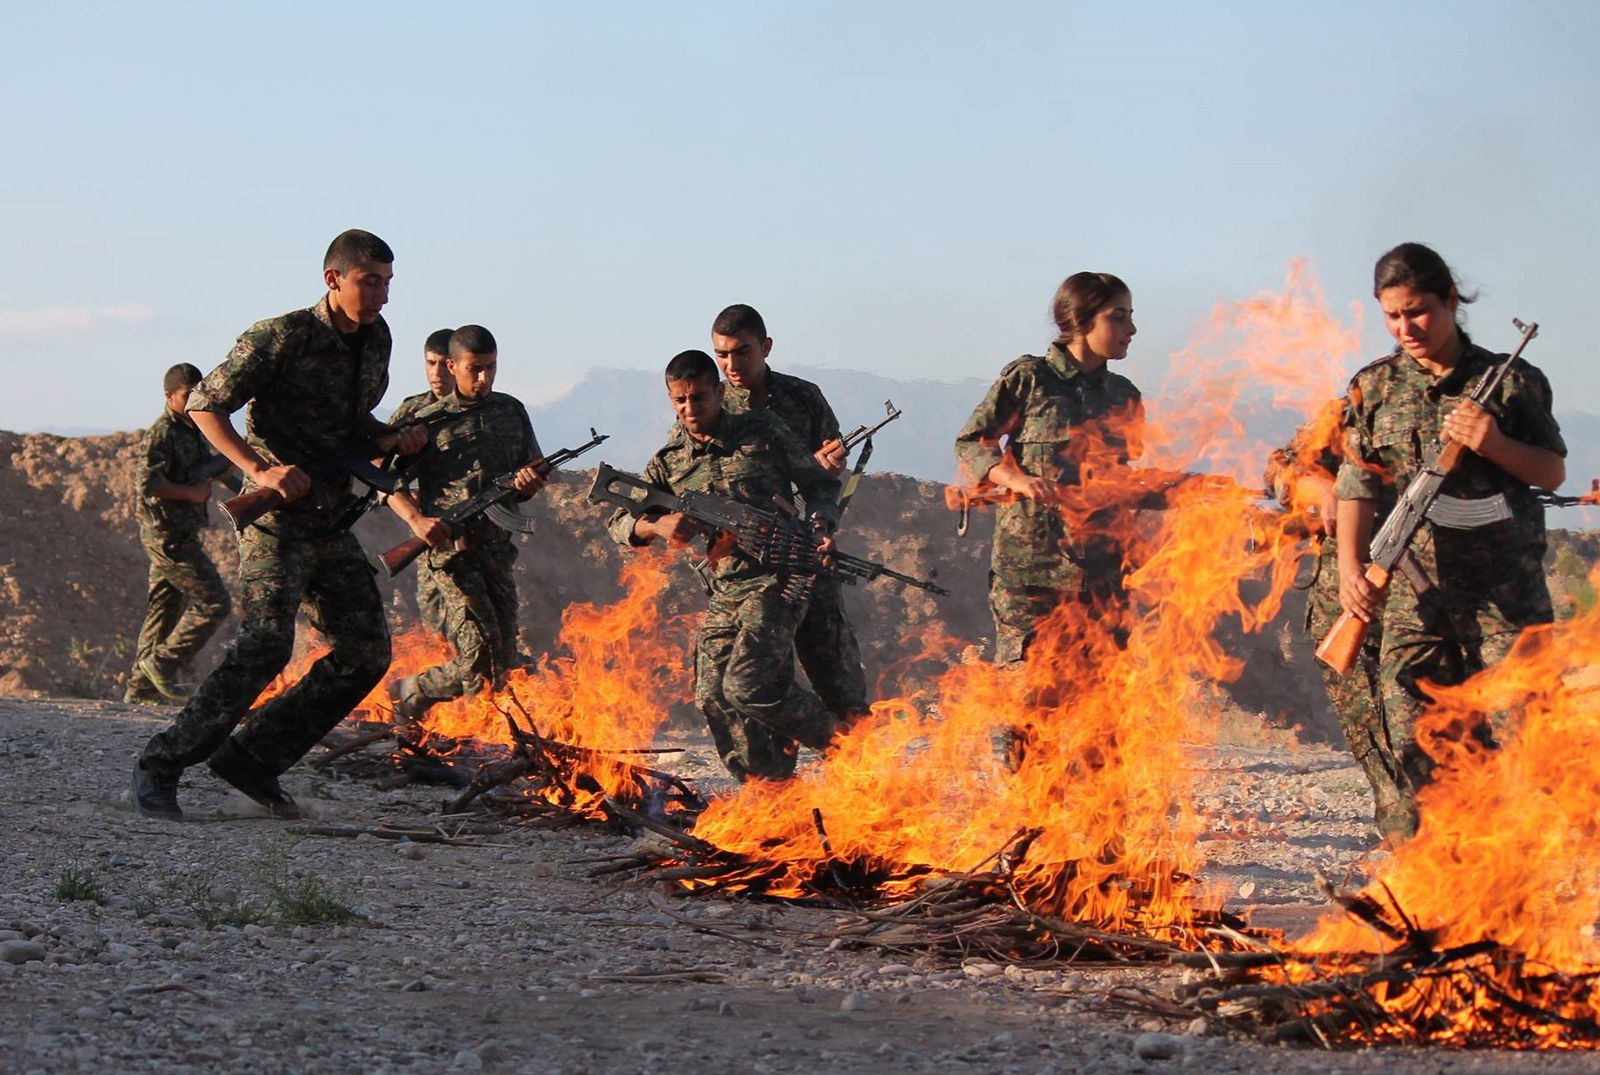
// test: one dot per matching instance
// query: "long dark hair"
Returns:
(1079, 299)
(1419, 267)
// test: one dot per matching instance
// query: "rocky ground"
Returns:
(131, 945)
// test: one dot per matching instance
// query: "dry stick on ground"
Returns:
(350, 747)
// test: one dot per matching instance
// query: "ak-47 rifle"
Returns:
(489, 502)
(772, 538)
(352, 459)
(1147, 489)
(1554, 500)
(1392, 543)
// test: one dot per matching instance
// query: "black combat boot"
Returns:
(155, 794)
(255, 780)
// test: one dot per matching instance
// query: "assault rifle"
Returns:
(1392, 543)
(774, 538)
(863, 432)
(1145, 489)
(1554, 500)
(490, 503)
(352, 459)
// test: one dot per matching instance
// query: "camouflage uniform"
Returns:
(188, 600)
(1056, 417)
(476, 591)
(744, 655)
(1483, 585)
(825, 642)
(310, 389)
(430, 600)
(1356, 698)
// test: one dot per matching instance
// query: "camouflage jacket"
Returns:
(1392, 423)
(1303, 455)
(493, 437)
(410, 406)
(171, 450)
(1054, 418)
(753, 458)
(797, 401)
(309, 396)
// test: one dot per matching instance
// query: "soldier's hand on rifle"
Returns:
(831, 455)
(431, 530)
(409, 439)
(1008, 475)
(290, 483)
(1315, 492)
(825, 546)
(1470, 426)
(1358, 595)
(674, 526)
(530, 479)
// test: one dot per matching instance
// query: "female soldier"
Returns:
(1044, 421)
(1465, 594)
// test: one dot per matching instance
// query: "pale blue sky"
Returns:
(897, 186)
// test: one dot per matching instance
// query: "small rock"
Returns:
(407, 850)
(980, 969)
(855, 1002)
(467, 1060)
(1154, 1046)
(416, 986)
(892, 970)
(19, 951)
(255, 930)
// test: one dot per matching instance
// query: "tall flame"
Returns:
(1107, 701)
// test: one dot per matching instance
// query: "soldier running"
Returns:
(435, 365)
(311, 379)
(187, 600)
(745, 681)
(472, 570)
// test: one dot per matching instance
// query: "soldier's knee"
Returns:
(755, 693)
(264, 649)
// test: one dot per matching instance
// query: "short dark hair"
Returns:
(354, 248)
(472, 340)
(183, 375)
(438, 342)
(692, 366)
(1079, 300)
(739, 320)
(1419, 267)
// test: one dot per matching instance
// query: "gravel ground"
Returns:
(507, 957)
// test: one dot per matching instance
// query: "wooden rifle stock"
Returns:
(399, 558)
(246, 508)
(1339, 648)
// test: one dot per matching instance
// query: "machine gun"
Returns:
(773, 538)
(1392, 543)
(490, 503)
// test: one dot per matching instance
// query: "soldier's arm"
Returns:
(249, 368)
(630, 530)
(978, 448)
(830, 444)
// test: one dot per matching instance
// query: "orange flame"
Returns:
(1107, 699)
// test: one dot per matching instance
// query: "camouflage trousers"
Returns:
(476, 594)
(430, 599)
(1020, 603)
(745, 682)
(826, 645)
(332, 580)
(187, 602)
(1357, 700)
(1445, 636)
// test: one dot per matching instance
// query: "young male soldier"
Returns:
(472, 569)
(311, 379)
(435, 364)
(744, 656)
(824, 642)
(188, 600)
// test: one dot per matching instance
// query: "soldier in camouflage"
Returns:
(1467, 593)
(311, 379)
(744, 656)
(825, 643)
(1300, 476)
(187, 600)
(472, 569)
(1046, 417)
(435, 364)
